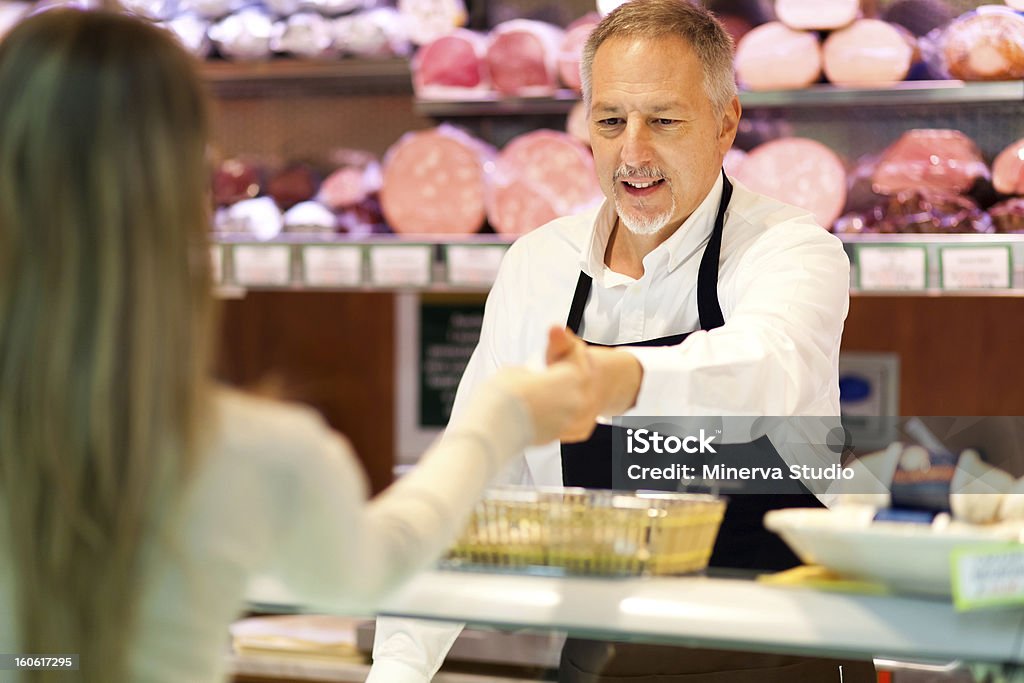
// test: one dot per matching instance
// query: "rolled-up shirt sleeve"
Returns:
(777, 353)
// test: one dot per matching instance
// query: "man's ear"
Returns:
(729, 123)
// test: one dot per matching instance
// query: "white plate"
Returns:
(909, 558)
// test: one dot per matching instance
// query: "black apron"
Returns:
(742, 543)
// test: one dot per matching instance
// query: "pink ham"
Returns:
(539, 176)
(451, 66)
(775, 57)
(571, 51)
(434, 183)
(522, 58)
(930, 159)
(1008, 169)
(819, 15)
(733, 163)
(800, 172)
(868, 52)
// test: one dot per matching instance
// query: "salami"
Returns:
(451, 66)
(540, 176)
(776, 57)
(801, 172)
(434, 183)
(571, 50)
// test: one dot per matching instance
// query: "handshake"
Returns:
(579, 383)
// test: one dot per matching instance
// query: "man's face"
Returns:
(658, 145)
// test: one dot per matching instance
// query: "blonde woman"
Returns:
(136, 499)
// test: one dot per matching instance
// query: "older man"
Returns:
(720, 301)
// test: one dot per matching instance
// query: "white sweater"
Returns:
(278, 493)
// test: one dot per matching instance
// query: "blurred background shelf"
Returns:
(278, 78)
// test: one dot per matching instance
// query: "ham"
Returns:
(820, 15)
(1008, 169)
(522, 58)
(434, 183)
(931, 159)
(868, 52)
(776, 57)
(801, 172)
(985, 45)
(540, 176)
(451, 66)
(571, 50)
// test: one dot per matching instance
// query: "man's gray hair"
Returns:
(659, 18)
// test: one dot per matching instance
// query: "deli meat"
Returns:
(540, 176)
(801, 172)
(1008, 216)
(868, 52)
(522, 57)
(451, 65)
(985, 45)
(434, 183)
(1008, 169)
(776, 57)
(820, 15)
(570, 52)
(918, 211)
(930, 159)
(577, 123)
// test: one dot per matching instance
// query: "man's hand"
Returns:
(614, 380)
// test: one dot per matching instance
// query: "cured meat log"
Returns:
(522, 58)
(868, 52)
(451, 65)
(570, 52)
(434, 183)
(820, 15)
(931, 159)
(1008, 169)
(775, 57)
(540, 176)
(801, 172)
(984, 45)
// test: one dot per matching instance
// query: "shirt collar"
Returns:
(679, 247)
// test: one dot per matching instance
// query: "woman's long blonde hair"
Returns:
(105, 310)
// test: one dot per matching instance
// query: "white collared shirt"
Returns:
(783, 285)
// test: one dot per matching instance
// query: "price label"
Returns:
(976, 267)
(882, 268)
(263, 265)
(988, 576)
(477, 264)
(332, 266)
(216, 264)
(400, 265)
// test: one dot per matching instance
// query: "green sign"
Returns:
(448, 335)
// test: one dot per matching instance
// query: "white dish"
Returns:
(908, 558)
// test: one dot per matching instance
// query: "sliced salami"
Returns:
(434, 183)
(776, 57)
(868, 52)
(540, 175)
(801, 172)
(1008, 169)
(522, 58)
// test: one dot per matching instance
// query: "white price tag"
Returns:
(474, 264)
(217, 264)
(263, 265)
(988, 577)
(971, 267)
(400, 265)
(327, 266)
(884, 268)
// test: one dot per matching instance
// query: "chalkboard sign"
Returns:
(448, 335)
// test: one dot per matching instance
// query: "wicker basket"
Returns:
(591, 532)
